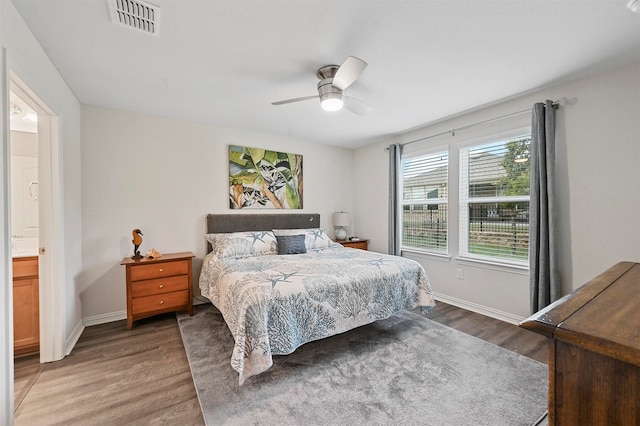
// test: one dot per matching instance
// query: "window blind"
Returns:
(424, 201)
(494, 200)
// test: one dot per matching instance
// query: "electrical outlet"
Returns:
(460, 274)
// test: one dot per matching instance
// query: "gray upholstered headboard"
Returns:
(217, 223)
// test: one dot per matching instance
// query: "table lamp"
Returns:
(340, 221)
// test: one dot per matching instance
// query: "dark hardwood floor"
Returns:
(115, 377)
(498, 332)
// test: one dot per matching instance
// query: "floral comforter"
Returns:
(273, 304)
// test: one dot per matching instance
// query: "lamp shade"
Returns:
(341, 219)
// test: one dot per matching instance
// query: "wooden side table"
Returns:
(357, 244)
(158, 285)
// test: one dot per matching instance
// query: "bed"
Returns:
(274, 303)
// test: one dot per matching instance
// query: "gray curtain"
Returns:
(544, 278)
(395, 151)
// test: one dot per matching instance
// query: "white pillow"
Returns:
(238, 245)
(315, 239)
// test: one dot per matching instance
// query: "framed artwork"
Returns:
(259, 178)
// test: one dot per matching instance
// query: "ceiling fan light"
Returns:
(332, 103)
(331, 98)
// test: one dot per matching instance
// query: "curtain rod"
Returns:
(452, 132)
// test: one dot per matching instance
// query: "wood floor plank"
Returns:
(508, 336)
(26, 372)
(116, 376)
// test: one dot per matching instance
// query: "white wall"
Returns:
(24, 144)
(24, 210)
(164, 176)
(28, 61)
(598, 183)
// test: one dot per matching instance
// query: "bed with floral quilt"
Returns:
(280, 288)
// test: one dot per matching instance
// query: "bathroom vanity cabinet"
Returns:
(26, 312)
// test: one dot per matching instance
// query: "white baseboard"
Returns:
(73, 338)
(122, 315)
(88, 321)
(484, 310)
(104, 318)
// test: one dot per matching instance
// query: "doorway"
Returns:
(23, 139)
(49, 219)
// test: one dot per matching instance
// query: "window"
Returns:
(424, 201)
(494, 200)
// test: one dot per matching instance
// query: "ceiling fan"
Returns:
(334, 80)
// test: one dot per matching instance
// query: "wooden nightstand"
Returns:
(357, 244)
(156, 286)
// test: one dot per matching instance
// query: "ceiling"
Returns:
(224, 62)
(21, 117)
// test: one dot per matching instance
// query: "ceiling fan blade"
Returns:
(356, 106)
(288, 101)
(348, 72)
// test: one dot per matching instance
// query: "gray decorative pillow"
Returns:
(315, 238)
(291, 244)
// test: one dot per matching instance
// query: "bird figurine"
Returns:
(137, 240)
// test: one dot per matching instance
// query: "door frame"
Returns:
(51, 244)
(6, 293)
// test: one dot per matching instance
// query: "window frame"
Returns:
(425, 153)
(465, 201)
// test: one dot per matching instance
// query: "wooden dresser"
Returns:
(160, 285)
(594, 350)
(357, 244)
(26, 302)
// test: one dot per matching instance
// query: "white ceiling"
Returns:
(224, 62)
(21, 117)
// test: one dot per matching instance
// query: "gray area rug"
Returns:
(403, 370)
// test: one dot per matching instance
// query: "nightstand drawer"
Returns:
(159, 302)
(362, 245)
(159, 286)
(158, 270)
(356, 244)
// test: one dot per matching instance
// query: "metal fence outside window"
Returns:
(500, 230)
(425, 227)
(495, 229)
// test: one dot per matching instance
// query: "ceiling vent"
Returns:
(137, 15)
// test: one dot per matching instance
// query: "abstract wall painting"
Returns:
(259, 178)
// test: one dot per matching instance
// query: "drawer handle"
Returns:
(161, 270)
(161, 285)
(162, 302)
